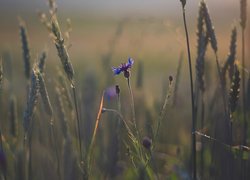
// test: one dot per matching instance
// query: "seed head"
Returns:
(117, 89)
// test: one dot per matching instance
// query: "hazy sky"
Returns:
(122, 7)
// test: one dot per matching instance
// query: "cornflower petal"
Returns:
(116, 71)
(123, 67)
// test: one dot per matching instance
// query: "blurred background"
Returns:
(149, 31)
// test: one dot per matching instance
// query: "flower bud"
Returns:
(126, 74)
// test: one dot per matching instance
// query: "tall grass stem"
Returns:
(192, 98)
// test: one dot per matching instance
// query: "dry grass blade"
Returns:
(90, 150)
(234, 90)
(25, 47)
(98, 116)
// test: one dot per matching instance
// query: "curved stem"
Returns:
(192, 98)
(121, 117)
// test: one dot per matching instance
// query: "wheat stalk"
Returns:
(25, 47)
(42, 60)
(32, 99)
(213, 42)
(61, 49)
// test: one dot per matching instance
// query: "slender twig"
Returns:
(91, 146)
(192, 98)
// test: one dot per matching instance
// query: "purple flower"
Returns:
(123, 67)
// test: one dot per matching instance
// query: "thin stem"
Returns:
(163, 111)
(118, 126)
(192, 98)
(78, 122)
(121, 117)
(244, 142)
(243, 89)
(133, 108)
(202, 126)
(30, 175)
(91, 146)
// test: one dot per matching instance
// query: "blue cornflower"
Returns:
(123, 68)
